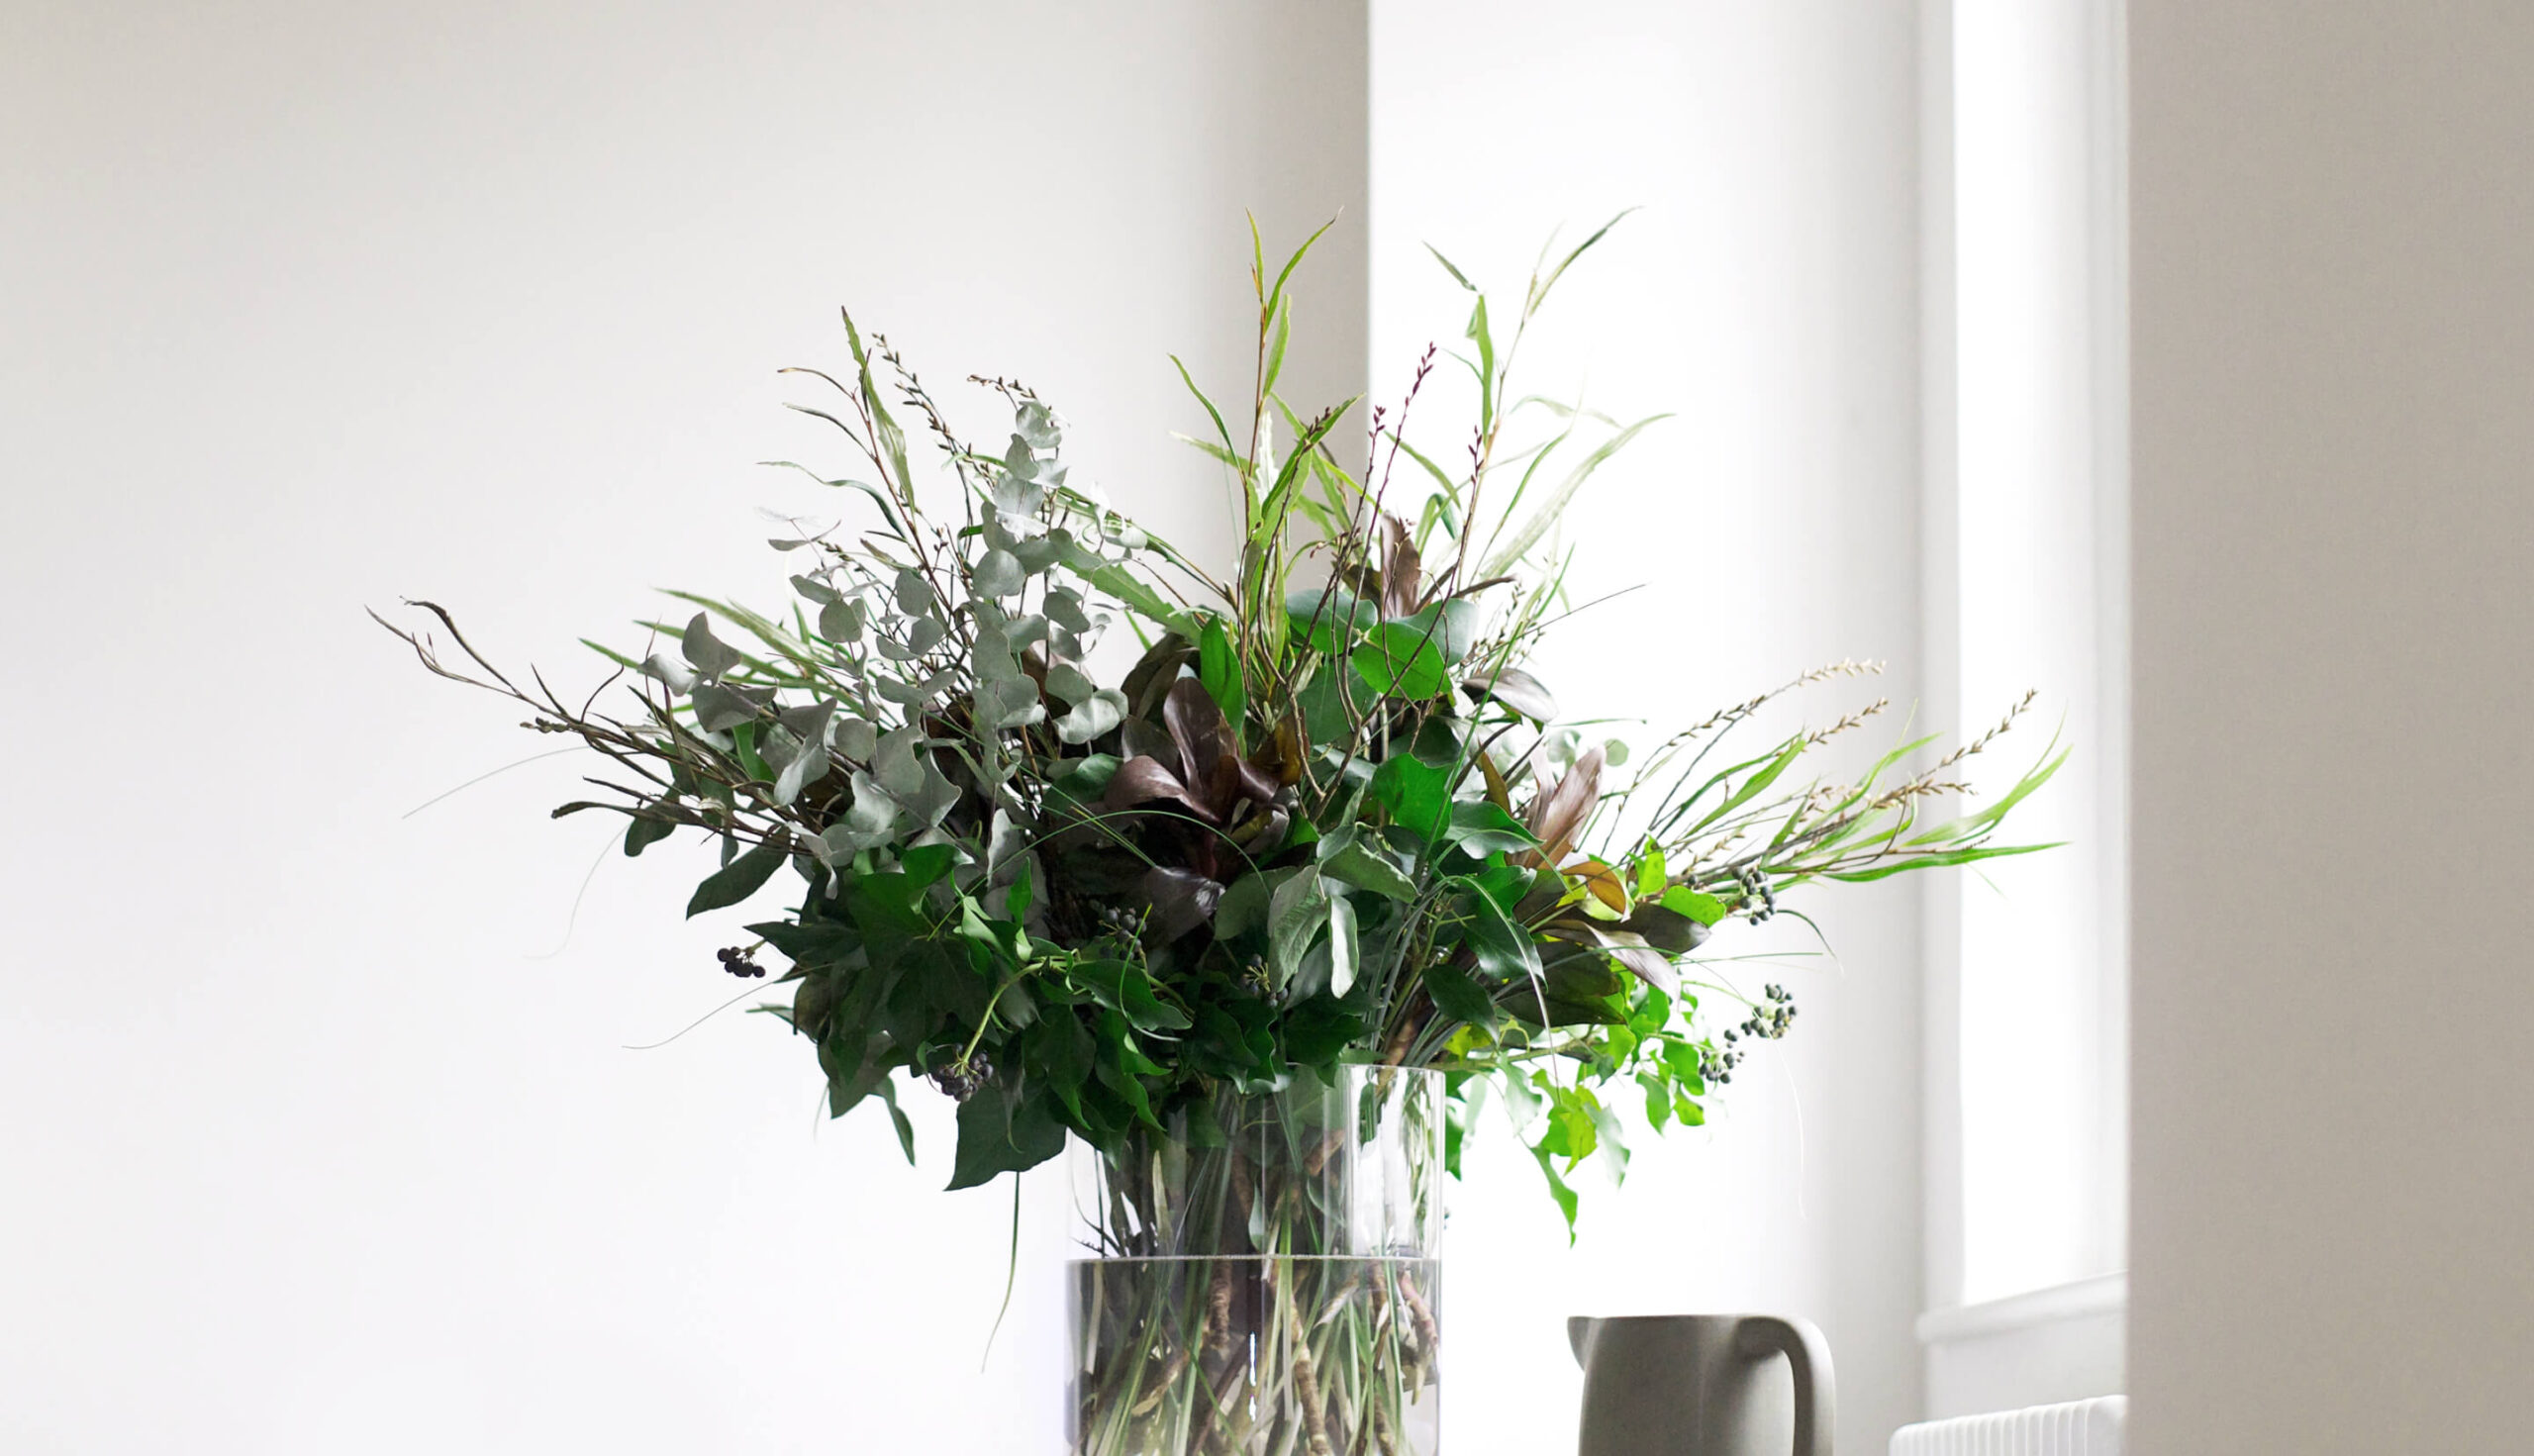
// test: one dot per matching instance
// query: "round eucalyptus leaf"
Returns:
(1091, 716)
(998, 574)
(710, 654)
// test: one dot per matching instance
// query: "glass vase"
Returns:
(1267, 1282)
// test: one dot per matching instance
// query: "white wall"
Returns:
(2334, 533)
(1767, 293)
(312, 1142)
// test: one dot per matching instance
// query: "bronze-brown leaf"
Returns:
(1558, 813)
(1403, 574)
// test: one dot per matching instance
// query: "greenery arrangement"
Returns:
(1327, 816)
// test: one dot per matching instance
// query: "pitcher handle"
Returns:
(1815, 1397)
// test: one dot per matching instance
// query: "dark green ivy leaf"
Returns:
(817, 944)
(1315, 1032)
(888, 1091)
(925, 864)
(1001, 1133)
(1123, 987)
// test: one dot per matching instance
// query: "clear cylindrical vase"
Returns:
(1268, 1279)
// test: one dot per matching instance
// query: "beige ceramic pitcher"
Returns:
(1703, 1385)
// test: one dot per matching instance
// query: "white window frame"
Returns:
(2024, 552)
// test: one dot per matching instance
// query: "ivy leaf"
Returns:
(1315, 1032)
(1651, 872)
(1703, 908)
(817, 944)
(888, 1091)
(1003, 1133)
(1658, 1099)
(1558, 1191)
(740, 878)
(923, 865)
(1058, 1049)
(1124, 987)
(1682, 1058)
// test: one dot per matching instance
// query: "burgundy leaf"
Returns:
(1650, 966)
(1198, 726)
(1145, 780)
(1220, 787)
(1664, 929)
(1256, 784)
(1516, 689)
(1182, 900)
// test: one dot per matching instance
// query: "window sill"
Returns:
(2083, 1299)
(2061, 1343)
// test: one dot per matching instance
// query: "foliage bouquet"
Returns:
(1261, 921)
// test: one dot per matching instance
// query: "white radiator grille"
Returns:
(2080, 1428)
